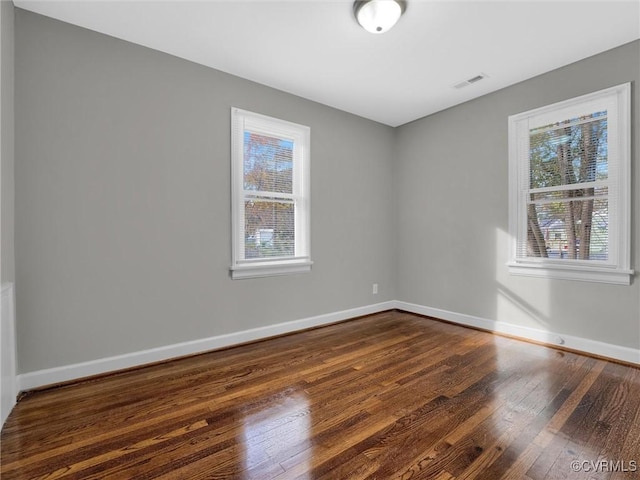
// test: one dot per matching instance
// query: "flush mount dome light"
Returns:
(378, 16)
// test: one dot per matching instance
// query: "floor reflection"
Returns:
(277, 436)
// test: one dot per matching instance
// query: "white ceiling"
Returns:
(315, 49)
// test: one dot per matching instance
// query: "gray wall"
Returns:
(123, 201)
(452, 212)
(7, 270)
(122, 208)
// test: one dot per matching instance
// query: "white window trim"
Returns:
(241, 268)
(616, 100)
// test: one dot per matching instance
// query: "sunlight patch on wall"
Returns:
(519, 300)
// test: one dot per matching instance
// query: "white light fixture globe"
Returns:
(378, 16)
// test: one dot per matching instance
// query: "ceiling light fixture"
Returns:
(378, 16)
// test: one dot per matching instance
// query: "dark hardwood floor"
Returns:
(391, 395)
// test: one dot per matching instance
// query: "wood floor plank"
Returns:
(392, 395)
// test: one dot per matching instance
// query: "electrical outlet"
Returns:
(374, 290)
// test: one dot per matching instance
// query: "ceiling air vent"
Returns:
(470, 81)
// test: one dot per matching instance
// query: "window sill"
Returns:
(269, 269)
(572, 272)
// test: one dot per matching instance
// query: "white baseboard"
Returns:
(586, 345)
(41, 378)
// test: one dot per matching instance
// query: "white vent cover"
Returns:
(470, 81)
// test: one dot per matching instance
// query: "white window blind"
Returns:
(569, 189)
(270, 190)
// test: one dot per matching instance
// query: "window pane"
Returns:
(577, 229)
(269, 229)
(268, 163)
(569, 152)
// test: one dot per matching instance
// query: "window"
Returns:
(270, 196)
(569, 193)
